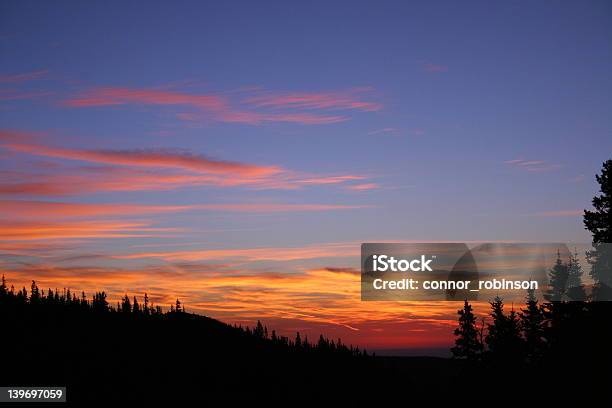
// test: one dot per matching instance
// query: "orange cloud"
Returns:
(48, 209)
(137, 170)
(30, 230)
(331, 250)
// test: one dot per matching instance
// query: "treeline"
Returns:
(69, 302)
(571, 329)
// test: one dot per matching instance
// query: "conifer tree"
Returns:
(557, 281)
(575, 288)
(34, 293)
(599, 223)
(467, 343)
(126, 305)
(135, 306)
(503, 337)
(146, 304)
(532, 327)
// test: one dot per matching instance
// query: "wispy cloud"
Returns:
(332, 250)
(52, 209)
(533, 165)
(561, 213)
(363, 187)
(300, 108)
(172, 159)
(138, 170)
(347, 100)
(384, 131)
(434, 68)
(23, 77)
(30, 230)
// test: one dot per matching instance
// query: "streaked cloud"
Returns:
(330, 250)
(533, 166)
(299, 108)
(434, 68)
(561, 213)
(32, 230)
(53, 209)
(23, 77)
(348, 100)
(363, 187)
(138, 170)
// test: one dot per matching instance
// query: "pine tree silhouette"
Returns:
(503, 337)
(575, 288)
(533, 328)
(599, 223)
(467, 342)
(558, 278)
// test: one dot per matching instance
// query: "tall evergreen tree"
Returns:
(532, 326)
(467, 342)
(3, 288)
(126, 305)
(599, 223)
(575, 288)
(34, 293)
(503, 337)
(135, 306)
(557, 281)
(146, 304)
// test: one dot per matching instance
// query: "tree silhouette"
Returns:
(532, 325)
(503, 337)
(135, 306)
(467, 343)
(575, 288)
(557, 284)
(599, 223)
(146, 304)
(34, 293)
(126, 305)
(84, 342)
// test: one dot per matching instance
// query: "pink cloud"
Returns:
(148, 158)
(138, 170)
(52, 209)
(217, 107)
(24, 77)
(363, 187)
(16, 95)
(434, 68)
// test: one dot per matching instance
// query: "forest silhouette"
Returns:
(136, 352)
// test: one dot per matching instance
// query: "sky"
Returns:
(236, 154)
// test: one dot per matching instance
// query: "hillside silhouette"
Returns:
(135, 352)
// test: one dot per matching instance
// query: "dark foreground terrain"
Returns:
(139, 355)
